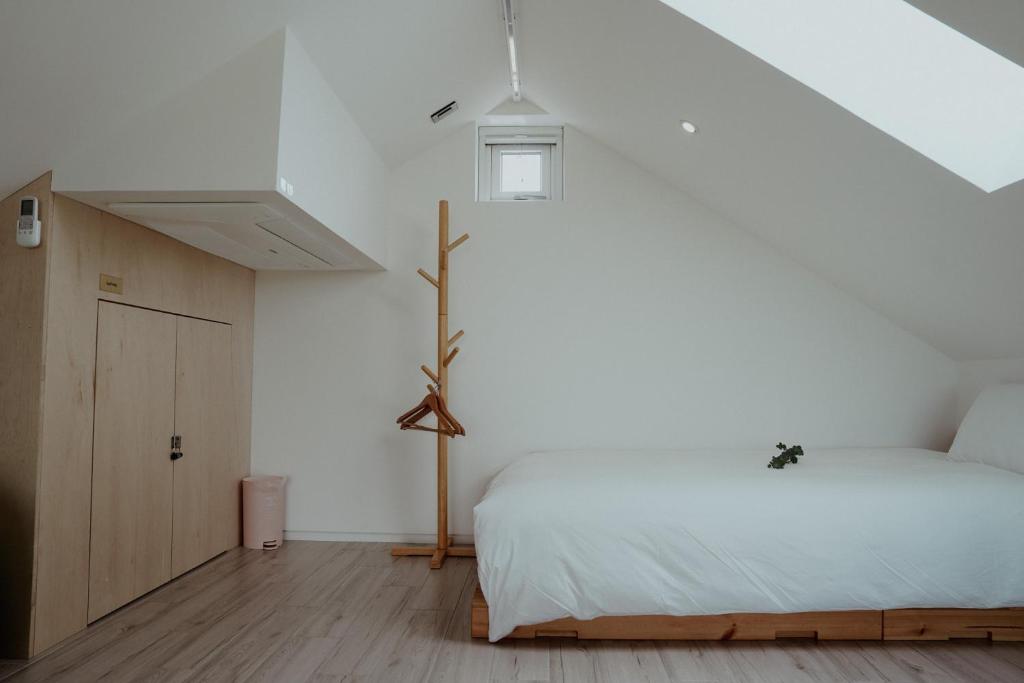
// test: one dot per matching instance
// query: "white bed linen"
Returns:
(594, 533)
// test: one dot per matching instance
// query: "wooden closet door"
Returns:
(206, 483)
(130, 543)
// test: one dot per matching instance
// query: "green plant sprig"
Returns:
(788, 455)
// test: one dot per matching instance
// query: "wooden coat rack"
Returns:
(447, 427)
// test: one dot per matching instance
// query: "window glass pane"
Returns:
(521, 171)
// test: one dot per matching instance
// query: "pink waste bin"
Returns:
(263, 512)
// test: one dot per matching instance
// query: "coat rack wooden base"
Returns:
(437, 555)
(446, 429)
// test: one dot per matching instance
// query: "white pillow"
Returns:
(993, 431)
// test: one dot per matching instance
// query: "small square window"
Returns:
(517, 164)
(520, 170)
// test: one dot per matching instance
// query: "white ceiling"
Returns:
(394, 63)
(924, 247)
(900, 69)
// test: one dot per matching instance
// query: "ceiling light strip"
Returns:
(513, 53)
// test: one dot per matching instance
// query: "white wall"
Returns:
(976, 375)
(336, 175)
(626, 316)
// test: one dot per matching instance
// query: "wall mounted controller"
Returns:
(30, 230)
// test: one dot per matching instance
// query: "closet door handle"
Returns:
(176, 453)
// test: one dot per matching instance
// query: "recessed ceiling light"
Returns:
(688, 127)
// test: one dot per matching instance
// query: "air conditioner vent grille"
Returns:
(444, 111)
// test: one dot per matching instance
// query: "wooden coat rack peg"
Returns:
(436, 402)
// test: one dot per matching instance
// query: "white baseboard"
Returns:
(368, 537)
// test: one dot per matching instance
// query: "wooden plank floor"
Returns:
(349, 612)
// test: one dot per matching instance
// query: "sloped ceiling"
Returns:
(394, 63)
(996, 24)
(933, 253)
(936, 255)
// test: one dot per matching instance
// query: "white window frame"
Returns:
(493, 140)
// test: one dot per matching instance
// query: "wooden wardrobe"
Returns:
(164, 497)
(117, 339)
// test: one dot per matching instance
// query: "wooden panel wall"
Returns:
(159, 273)
(22, 312)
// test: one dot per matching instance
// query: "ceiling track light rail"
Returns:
(509, 15)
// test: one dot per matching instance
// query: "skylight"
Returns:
(932, 88)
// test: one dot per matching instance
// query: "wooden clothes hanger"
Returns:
(432, 403)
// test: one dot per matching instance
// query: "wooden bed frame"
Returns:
(898, 624)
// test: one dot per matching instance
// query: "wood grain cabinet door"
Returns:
(130, 542)
(206, 483)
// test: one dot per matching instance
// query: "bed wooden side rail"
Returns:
(907, 624)
(853, 625)
(947, 624)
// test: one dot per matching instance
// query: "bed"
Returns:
(848, 543)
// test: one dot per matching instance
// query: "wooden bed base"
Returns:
(900, 624)
(947, 624)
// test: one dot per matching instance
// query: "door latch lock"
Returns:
(176, 453)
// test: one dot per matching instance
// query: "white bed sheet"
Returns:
(595, 533)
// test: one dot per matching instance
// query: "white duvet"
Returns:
(593, 533)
